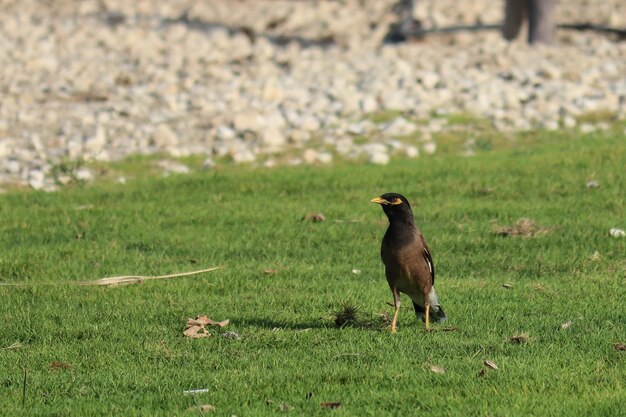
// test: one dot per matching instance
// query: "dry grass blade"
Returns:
(204, 408)
(437, 369)
(490, 364)
(15, 345)
(524, 227)
(519, 338)
(127, 279)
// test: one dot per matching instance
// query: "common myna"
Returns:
(408, 263)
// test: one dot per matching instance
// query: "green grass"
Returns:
(124, 345)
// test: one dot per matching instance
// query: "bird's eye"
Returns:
(396, 201)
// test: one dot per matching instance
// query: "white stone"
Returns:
(36, 179)
(412, 151)
(325, 157)
(84, 174)
(164, 136)
(243, 156)
(429, 148)
(310, 156)
(399, 127)
(379, 158)
(249, 120)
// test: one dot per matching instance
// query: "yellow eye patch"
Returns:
(395, 201)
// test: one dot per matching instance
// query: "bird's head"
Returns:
(395, 206)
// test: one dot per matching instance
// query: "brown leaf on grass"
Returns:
(269, 271)
(524, 227)
(566, 325)
(204, 408)
(490, 364)
(313, 217)
(519, 338)
(196, 332)
(204, 321)
(331, 405)
(60, 365)
(620, 346)
(196, 328)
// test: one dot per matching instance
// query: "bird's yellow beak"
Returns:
(380, 200)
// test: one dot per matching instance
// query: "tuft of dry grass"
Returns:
(524, 227)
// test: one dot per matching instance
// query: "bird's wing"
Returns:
(428, 258)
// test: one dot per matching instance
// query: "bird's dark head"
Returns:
(395, 206)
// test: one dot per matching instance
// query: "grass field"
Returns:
(120, 350)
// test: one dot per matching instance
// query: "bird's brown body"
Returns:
(409, 267)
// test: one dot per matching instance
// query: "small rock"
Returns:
(173, 167)
(379, 158)
(36, 179)
(84, 174)
(429, 148)
(325, 157)
(164, 136)
(399, 127)
(231, 335)
(208, 163)
(310, 156)
(412, 151)
(243, 156)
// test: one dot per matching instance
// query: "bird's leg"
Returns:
(427, 321)
(396, 306)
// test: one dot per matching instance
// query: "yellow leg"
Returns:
(395, 319)
(427, 321)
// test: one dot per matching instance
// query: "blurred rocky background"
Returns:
(272, 82)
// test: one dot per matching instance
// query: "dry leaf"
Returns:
(60, 365)
(490, 364)
(204, 408)
(620, 346)
(356, 271)
(331, 405)
(313, 217)
(566, 325)
(231, 335)
(438, 369)
(595, 256)
(285, 407)
(592, 184)
(196, 332)
(269, 271)
(196, 329)
(524, 227)
(519, 338)
(15, 345)
(204, 321)
(507, 286)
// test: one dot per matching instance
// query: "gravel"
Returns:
(253, 80)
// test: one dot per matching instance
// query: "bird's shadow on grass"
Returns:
(320, 324)
(273, 324)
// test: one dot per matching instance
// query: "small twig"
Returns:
(127, 279)
(15, 345)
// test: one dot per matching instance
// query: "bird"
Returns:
(409, 266)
